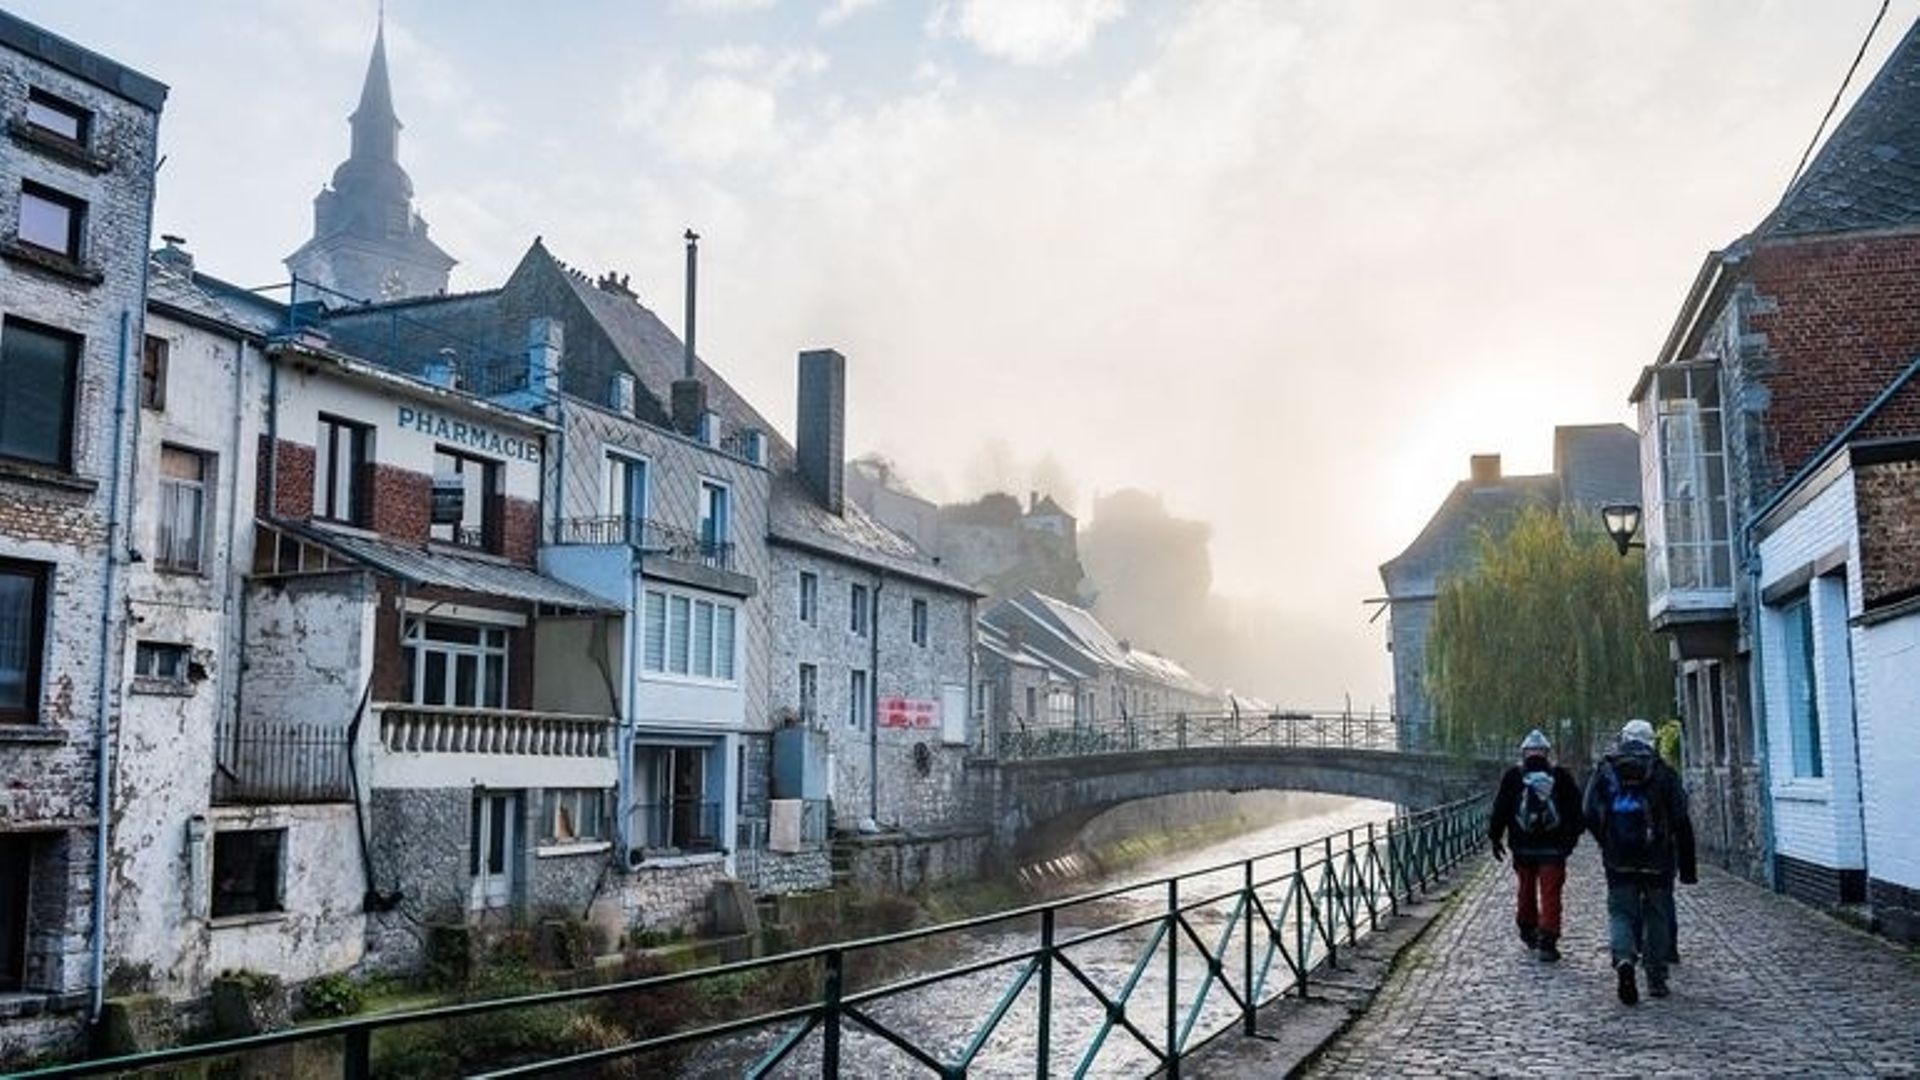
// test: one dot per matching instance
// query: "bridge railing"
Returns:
(1186, 731)
(1201, 952)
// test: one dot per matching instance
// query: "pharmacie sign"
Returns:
(469, 436)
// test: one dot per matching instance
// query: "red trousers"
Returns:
(1540, 884)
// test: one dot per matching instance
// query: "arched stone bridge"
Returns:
(1044, 791)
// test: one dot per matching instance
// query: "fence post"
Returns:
(1304, 897)
(1371, 864)
(1173, 978)
(1043, 1054)
(357, 1063)
(1247, 899)
(830, 1017)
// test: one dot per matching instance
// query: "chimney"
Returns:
(620, 393)
(546, 340)
(175, 254)
(822, 430)
(443, 370)
(689, 394)
(1484, 469)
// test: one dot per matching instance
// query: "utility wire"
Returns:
(1837, 95)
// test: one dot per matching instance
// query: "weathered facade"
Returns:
(1792, 355)
(76, 197)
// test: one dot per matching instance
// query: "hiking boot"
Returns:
(1530, 936)
(1549, 948)
(1657, 987)
(1629, 990)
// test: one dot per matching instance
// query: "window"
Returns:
(183, 509)
(58, 117)
(982, 700)
(1803, 703)
(809, 596)
(16, 890)
(153, 373)
(859, 706)
(246, 871)
(919, 622)
(464, 500)
(23, 617)
(37, 368)
(809, 693)
(50, 220)
(1033, 704)
(1686, 523)
(458, 664)
(624, 502)
(857, 610)
(687, 636)
(672, 809)
(339, 468)
(160, 662)
(574, 816)
(715, 521)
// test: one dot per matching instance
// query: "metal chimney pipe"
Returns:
(693, 273)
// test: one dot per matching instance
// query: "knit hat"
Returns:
(1637, 731)
(1536, 740)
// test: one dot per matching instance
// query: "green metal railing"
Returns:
(1212, 946)
(1198, 730)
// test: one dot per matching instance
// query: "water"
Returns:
(944, 1018)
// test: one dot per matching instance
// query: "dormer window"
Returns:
(58, 117)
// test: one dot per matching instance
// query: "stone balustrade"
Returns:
(439, 729)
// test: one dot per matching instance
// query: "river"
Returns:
(943, 1018)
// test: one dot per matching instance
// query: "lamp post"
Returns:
(1622, 521)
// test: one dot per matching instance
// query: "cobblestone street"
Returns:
(1765, 987)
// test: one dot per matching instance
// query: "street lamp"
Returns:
(1622, 521)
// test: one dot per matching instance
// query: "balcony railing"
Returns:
(683, 826)
(657, 538)
(438, 729)
(281, 763)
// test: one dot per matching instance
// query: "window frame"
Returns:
(277, 904)
(166, 538)
(859, 620)
(1801, 684)
(81, 116)
(492, 487)
(626, 465)
(155, 352)
(76, 209)
(917, 620)
(809, 598)
(327, 499)
(32, 669)
(75, 346)
(715, 527)
(808, 688)
(588, 806)
(669, 625)
(859, 699)
(181, 654)
(415, 645)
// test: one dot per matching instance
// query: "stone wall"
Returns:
(777, 873)
(419, 853)
(666, 895)
(902, 863)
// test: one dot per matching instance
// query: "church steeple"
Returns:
(368, 243)
(376, 129)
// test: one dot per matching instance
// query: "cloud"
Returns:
(840, 11)
(719, 120)
(1028, 31)
(722, 7)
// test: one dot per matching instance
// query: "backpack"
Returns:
(1537, 816)
(1632, 831)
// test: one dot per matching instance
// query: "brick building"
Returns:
(1775, 430)
(76, 198)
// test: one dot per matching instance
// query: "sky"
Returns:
(1283, 263)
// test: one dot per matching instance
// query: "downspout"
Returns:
(235, 624)
(629, 705)
(873, 703)
(108, 656)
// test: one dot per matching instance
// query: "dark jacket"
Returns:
(1672, 846)
(1506, 806)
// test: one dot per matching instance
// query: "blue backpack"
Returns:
(1632, 829)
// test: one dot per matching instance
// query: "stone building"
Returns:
(76, 200)
(368, 242)
(1773, 425)
(1594, 465)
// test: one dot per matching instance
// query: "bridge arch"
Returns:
(1042, 804)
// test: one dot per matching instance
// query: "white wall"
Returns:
(1887, 680)
(323, 928)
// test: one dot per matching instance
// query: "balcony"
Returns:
(262, 763)
(656, 539)
(436, 729)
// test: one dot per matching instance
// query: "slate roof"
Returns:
(419, 566)
(796, 518)
(1446, 543)
(173, 285)
(1597, 464)
(1867, 175)
(1084, 637)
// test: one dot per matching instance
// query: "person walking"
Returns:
(1636, 809)
(1537, 812)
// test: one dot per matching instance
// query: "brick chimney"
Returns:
(821, 447)
(546, 340)
(1484, 470)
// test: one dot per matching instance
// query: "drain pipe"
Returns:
(873, 703)
(107, 655)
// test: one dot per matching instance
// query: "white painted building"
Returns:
(1839, 626)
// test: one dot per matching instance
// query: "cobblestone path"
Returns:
(1766, 987)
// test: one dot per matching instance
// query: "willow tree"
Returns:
(1548, 630)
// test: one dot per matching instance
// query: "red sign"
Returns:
(900, 712)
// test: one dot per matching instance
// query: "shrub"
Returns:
(332, 995)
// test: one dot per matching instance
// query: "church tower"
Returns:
(368, 243)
